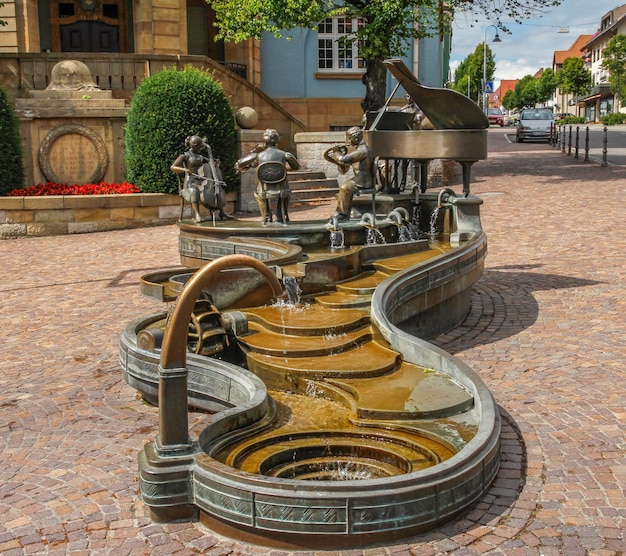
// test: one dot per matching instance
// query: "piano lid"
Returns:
(445, 108)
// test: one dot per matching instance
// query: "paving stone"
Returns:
(545, 331)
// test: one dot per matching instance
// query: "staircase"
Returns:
(311, 185)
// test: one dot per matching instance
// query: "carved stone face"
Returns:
(71, 75)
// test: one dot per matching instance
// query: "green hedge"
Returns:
(571, 120)
(168, 107)
(12, 174)
(614, 118)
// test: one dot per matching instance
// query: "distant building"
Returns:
(562, 102)
(600, 101)
(314, 80)
(497, 97)
(319, 80)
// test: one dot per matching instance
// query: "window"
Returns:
(110, 10)
(332, 54)
(66, 9)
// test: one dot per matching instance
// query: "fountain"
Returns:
(330, 421)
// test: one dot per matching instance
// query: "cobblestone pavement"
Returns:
(545, 331)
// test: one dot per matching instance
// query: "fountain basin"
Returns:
(254, 479)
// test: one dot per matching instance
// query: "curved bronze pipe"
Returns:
(174, 349)
(173, 424)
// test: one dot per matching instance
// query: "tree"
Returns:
(546, 85)
(614, 60)
(166, 108)
(388, 26)
(573, 77)
(471, 69)
(510, 100)
(11, 162)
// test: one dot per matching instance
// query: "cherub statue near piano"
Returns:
(271, 165)
(203, 184)
(362, 162)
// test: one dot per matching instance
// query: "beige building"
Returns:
(121, 42)
(600, 100)
(565, 103)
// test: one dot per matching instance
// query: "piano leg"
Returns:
(467, 167)
(423, 174)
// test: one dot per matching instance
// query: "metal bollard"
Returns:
(569, 142)
(604, 148)
(576, 144)
(563, 139)
(587, 145)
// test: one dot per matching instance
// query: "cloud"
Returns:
(529, 46)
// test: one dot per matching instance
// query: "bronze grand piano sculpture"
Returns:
(457, 131)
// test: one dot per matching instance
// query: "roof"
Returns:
(574, 51)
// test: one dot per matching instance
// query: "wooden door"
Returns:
(88, 26)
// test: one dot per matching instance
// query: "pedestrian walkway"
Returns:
(545, 331)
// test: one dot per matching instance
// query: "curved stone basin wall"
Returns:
(293, 513)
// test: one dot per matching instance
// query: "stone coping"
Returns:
(73, 214)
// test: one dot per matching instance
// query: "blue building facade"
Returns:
(292, 74)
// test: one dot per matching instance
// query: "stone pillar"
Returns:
(161, 27)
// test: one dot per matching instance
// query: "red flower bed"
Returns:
(66, 189)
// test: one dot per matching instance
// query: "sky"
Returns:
(531, 45)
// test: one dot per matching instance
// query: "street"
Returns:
(591, 136)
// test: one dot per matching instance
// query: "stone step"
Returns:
(320, 183)
(297, 175)
(316, 194)
(311, 185)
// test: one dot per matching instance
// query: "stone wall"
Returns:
(75, 214)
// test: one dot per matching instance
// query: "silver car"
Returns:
(535, 124)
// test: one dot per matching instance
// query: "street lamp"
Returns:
(496, 39)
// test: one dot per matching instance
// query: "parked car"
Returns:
(535, 124)
(560, 116)
(496, 117)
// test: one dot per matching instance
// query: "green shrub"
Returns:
(572, 120)
(168, 107)
(11, 161)
(614, 118)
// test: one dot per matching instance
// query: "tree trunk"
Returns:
(375, 81)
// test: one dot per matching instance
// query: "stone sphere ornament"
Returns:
(246, 117)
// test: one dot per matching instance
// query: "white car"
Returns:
(535, 124)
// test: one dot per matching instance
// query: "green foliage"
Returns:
(526, 92)
(388, 27)
(168, 107)
(471, 69)
(614, 118)
(11, 161)
(510, 100)
(546, 85)
(574, 78)
(571, 120)
(614, 60)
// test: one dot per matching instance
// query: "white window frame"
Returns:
(332, 57)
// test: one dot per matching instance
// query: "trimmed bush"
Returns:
(571, 120)
(11, 162)
(168, 107)
(614, 118)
